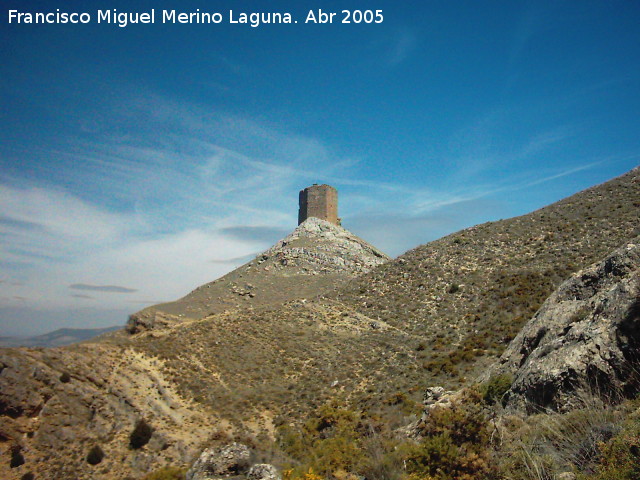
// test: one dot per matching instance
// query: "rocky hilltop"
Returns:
(315, 256)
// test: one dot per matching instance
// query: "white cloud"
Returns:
(66, 241)
(57, 214)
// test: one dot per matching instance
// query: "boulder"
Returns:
(149, 319)
(232, 459)
(584, 340)
(263, 471)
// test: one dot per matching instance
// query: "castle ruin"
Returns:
(320, 201)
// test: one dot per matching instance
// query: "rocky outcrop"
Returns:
(149, 319)
(437, 397)
(232, 459)
(584, 339)
(318, 246)
(263, 471)
(433, 398)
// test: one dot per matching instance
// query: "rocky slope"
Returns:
(59, 405)
(467, 295)
(585, 339)
(56, 405)
(315, 256)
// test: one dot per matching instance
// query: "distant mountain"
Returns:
(57, 338)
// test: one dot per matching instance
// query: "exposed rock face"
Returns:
(263, 471)
(232, 459)
(585, 337)
(315, 257)
(318, 246)
(436, 397)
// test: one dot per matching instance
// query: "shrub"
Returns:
(309, 475)
(456, 443)
(17, 458)
(432, 455)
(463, 420)
(495, 388)
(95, 455)
(620, 457)
(586, 440)
(141, 434)
(328, 443)
(65, 377)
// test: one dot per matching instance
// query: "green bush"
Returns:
(495, 388)
(464, 420)
(456, 444)
(328, 443)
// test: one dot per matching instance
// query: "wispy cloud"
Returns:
(139, 209)
(401, 46)
(102, 288)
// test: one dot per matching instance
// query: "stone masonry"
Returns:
(319, 201)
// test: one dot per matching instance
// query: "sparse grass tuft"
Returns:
(166, 473)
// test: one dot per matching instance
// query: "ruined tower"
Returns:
(320, 201)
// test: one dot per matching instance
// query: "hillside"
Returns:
(305, 323)
(58, 404)
(468, 294)
(436, 315)
(315, 256)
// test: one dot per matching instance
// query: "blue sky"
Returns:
(138, 163)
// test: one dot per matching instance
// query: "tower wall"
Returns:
(320, 201)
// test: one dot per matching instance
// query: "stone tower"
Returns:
(320, 201)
